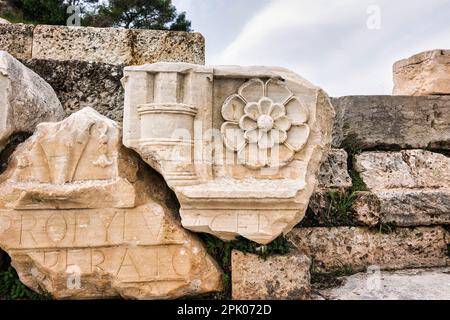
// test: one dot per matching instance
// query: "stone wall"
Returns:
(394, 213)
(369, 122)
(80, 84)
(382, 198)
(106, 45)
(85, 65)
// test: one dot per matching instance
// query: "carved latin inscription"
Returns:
(116, 242)
(80, 218)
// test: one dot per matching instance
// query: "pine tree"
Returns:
(139, 14)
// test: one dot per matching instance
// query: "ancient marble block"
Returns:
(414, 284)
(25, 99)
(275, 278)
(116, 46)
(240, 146)
(413, 186)
(17, 39)
(82, 217)
(79, 84)
(426, 73)
(353, 248)
(385, 121)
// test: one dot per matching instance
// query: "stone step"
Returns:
(425, 73)
(412, 186)
(274, 278)
(409, 188)
(385, 121)
(415, 284)
(350, 248)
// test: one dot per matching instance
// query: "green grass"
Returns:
(357, 182)
(12, 289)
(337, 213)
(386, 227)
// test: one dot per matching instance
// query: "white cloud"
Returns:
(325, 41)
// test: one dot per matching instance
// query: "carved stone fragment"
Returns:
(241, 147)
(426, 73)
(82, 217)
(25, 100)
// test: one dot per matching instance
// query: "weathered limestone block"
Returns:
(357, 248)
(380, 121)
(240, 146)
(276, 278)
(366, 209)
(17, 39)
(116, 46)
(426, 73)
(413, 186)
(4, 21)
(25, 99)
(151, 46)
(333, 177)
(82, 217)
(412, 169)
(414, 284)
(421, 207)
(333, 174)
(80, 84)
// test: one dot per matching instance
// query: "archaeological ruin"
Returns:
(130, 169)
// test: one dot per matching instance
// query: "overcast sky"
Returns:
(345, 46)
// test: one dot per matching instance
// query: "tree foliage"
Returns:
(138, 14)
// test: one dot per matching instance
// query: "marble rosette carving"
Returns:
(265, 130)
(240, 146)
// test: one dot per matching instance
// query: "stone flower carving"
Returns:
(265, 124)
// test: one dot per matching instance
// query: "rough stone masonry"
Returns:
(82, 216)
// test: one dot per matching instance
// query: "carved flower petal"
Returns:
(280, 155)
(296, 111)
(252, 110)
(297, 137)
(253, 136)
(246, 123)
(278, 136)
(278, 91)
(253, 157)
(265, 106)
(252, 90)
(282, 123)
(233, 108)
(278, 111)
(265, 141)
(233, 136)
